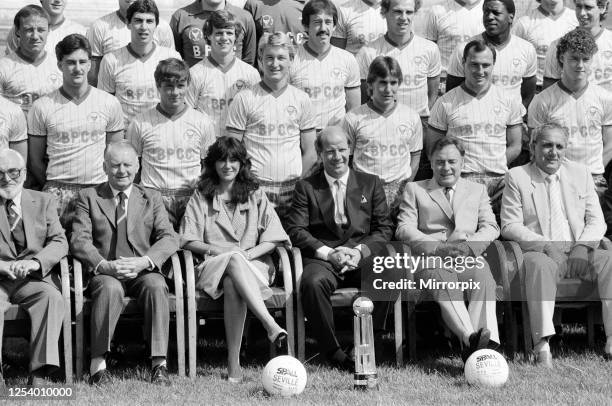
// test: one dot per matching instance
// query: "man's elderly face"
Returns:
(120, 165)
(446, 164)
(12, 175)
(335, 152)
(549, 150)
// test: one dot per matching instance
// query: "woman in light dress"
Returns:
(230, 222)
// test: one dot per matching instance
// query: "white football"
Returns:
(284, 376)
(486, 368)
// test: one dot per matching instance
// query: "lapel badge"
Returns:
(363, 199)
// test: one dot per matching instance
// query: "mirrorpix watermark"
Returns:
(403, 272)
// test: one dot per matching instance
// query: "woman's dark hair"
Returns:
(245, 182)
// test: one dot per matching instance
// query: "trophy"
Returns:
(365, 365)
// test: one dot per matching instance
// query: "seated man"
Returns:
(338, 218)
(33, 243)
(123, 236)
(551, 208)
(451, 218)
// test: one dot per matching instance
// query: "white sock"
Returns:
(97, 364)
(542, 345)
(155, 361)
(608, 347)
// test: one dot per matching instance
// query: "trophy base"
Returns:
(366, 381)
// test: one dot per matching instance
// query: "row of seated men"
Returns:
(340, 220)
(65, 129)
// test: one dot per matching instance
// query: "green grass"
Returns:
(580, 376)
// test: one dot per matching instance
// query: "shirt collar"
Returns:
(16, 200)
(126, 191)
(343, 179)
(545, 175)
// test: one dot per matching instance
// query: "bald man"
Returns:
(339, 218)
(123, 237)
(32, 244)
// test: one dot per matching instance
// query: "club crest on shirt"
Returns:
(404, 131)
(497, 110)
(195, 34)
(190, 134)
(93, 117)
(516, 62)
(292, 111)
(267, 22)
(337, 73)
(240, 84)
(594, 111)
(55, 79)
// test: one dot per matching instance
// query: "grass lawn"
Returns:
(580, 376)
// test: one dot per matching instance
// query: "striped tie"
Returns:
(16, 226)
(556, 211)
(122, 247)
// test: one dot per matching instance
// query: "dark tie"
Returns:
(447, 193)
(16, 225)
(122, 246)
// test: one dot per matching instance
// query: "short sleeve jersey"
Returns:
(383, 141)
(601, 64)
(171, 148)
(277, 15)
(325, 78)
(515, 60)
(541, 29)
(23, 82)
(583, 115)
(419, 60)
(272, 126)
(359, 23)
(13, 126)
(449, 23)
(76, 133)
(110, 32)
(130, 78)
(187, 24)
(480, 123)
(56, 34)
(212, 88)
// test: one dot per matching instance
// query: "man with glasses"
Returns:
(32, 245)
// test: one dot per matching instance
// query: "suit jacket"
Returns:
(525, 212)
(427, 217)
(310, 223)
(148, 229)
(45, 238)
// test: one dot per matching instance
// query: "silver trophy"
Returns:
(365, 364)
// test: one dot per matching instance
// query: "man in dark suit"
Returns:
(450, 218)
(123, 236)
(339, 218)
(32, 242)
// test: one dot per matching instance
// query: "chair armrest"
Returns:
(285, 266)
(67, 323)
(192, 324)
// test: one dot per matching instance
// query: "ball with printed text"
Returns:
(284, 376)
(486, 368)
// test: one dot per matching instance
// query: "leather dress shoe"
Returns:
(100, 378)
(39, 378)
(478, 341)
(544, 358)
(159, 376)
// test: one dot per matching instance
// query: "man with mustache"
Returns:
(516, 66)
(551, 209)
(582, 107)
(591, 15)
(171, 140)
(69, 129)
(328, 74)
